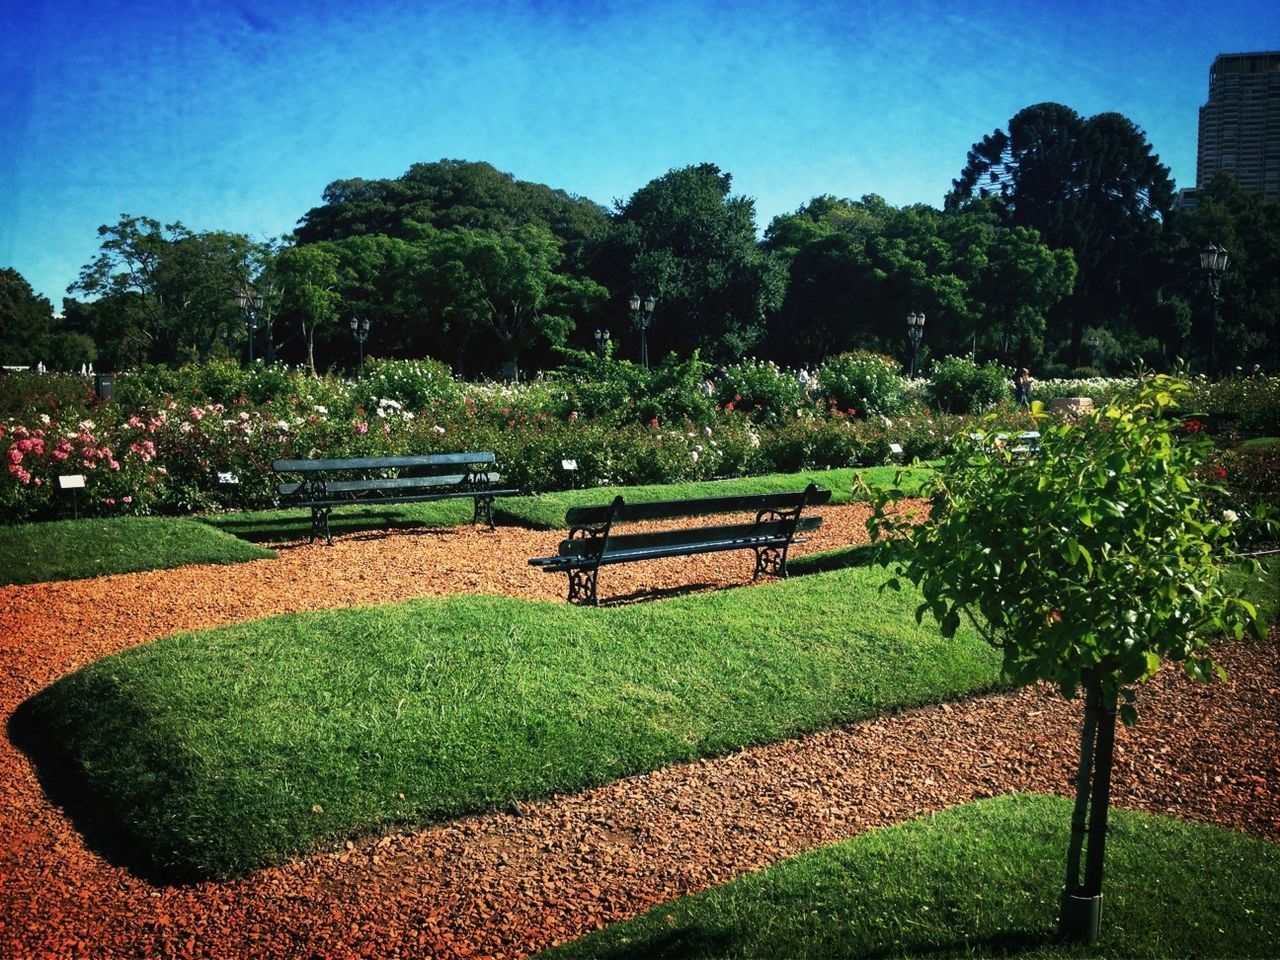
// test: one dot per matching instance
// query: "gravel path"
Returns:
(508, 884)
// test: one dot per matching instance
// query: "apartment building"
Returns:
(1240, 123)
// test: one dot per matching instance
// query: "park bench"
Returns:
(593, 541)
(1025, 444)
(353, 481)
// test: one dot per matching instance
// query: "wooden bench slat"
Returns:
(697, 507)
(386, 483)
(669, 543)
(356, 501)
(726, 533)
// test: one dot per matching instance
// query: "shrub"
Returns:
(26, 395)
(414, 384)
(1252, 403)
(958, 385)
(863, 382)
(760, 389)
(1248, 481)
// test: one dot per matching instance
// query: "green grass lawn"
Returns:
(980, 880)
(75, 549)
(213, 753)
(1260, 443)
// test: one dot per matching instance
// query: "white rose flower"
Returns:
(1230, 516)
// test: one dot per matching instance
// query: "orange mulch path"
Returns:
(510, 883)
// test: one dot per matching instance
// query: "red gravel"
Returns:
(509, 884)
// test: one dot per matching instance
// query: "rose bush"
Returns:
(167, 450)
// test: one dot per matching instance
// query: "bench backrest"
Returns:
(381, 463)
(622, 512)
(771, 529)
(434, 471)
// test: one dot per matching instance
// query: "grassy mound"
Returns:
(77, 549)
(977, 880)
(210, 754)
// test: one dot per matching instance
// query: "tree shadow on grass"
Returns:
(657, 593)
(695, 941)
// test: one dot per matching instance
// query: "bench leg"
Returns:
(320, 521)
(483, 511)
(771, 560)
(582, 587)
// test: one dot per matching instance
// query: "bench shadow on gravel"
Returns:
(67, 790)
(288, 527)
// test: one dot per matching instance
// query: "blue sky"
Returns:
(229, 115)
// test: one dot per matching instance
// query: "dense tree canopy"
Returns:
(1056, 248)
(452, 193)
(982, 284)
(684, 239)
(1092, 186)
(25, 321)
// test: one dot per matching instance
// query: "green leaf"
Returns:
(1129, 715)
(950, 623)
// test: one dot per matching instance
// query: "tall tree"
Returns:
(174, 288)
(1092, 186)
(26, 320)
(308, 278)
(684, 239)
(825, 216)
(508, 286)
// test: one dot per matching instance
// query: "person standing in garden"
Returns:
(1022, 387)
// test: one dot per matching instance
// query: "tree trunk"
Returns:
(1081, 916)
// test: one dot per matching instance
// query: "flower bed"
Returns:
(172, 439)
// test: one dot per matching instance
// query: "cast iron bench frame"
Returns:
(592, 542)
(417, 478)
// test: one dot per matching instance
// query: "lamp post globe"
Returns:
(602, 343)
(915, 333)
(641, 318)
(1213, 261)
(360, 330)
(249, 302)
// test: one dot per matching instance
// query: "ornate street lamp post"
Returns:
(915, 333)
(641, 317)
(249, 301)
(1213, 261)
(360, 330)
(602, 342)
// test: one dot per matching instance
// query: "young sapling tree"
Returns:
(1088, 563)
